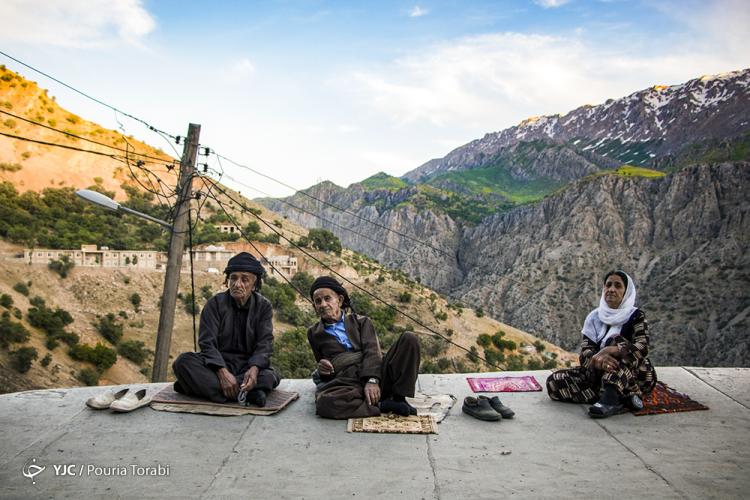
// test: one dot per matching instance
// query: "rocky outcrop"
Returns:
(684, 239)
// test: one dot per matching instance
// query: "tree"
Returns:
(101, 356)
(324, 240)
(109, 328)
(11, 332)
(62, 266)
(135, 299)
(6, 301)
(22, 358)
(292, 356)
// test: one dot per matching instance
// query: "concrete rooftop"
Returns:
(556, 450)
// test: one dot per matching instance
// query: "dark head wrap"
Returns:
(328, 282)
(243, 262)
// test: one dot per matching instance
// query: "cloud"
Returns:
(551, 4)
(492, 81)
(418, 11)
(243, 67)
(75, 23)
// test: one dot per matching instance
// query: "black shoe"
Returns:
(601, 410)
(178, 387)
(480, 408)
(256, 397)
(499, 407)
(398, 407)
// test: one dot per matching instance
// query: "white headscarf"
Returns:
(595, 326)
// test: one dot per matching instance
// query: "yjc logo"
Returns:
(31, 470)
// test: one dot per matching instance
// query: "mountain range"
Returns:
(524, 222)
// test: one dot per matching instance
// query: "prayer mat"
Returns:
(664, 399)
(169, 400)
(525, 383)
(394, 424)
(437, 406)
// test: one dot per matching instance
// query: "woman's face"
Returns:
(328, 304)
(614, 291)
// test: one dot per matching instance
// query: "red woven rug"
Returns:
(664, 399)
(525, 383)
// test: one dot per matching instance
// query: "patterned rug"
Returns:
(394, 424)
(525, 383)
(664, 399)
(169, 400)
(438, 406)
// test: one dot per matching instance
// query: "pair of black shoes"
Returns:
(488, 409)
(625, 404)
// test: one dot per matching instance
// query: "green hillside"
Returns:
(381, 180)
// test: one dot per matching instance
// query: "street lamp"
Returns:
(106, 202)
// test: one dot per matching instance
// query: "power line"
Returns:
(140, 120)
(343, 278)
(335, 207)
(344, 228)
(69, 134)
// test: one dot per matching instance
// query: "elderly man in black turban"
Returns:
(236, 341)
(353, 378)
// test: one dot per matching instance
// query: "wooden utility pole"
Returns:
(174, 255)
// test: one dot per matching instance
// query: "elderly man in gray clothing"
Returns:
(236, 341)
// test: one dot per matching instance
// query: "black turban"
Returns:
(328, 282)
(243, 262)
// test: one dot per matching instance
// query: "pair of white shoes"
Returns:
(121, 401)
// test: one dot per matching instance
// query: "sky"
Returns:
(304, 91)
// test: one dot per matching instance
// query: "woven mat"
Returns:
(525, 383)
(664, 399)
(437, 406)
(394, 424)
(169, 400)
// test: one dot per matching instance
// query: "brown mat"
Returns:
(394, 424)
(169, 400)
(438, 406)
(664, 399)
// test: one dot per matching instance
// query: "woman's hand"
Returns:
(605, 362)
(325, 367)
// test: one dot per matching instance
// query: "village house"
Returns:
(208, 259)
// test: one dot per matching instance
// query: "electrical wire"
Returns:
(335, 207)
(132, 117)
(345, 279)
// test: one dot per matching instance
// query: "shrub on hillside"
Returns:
(109, 328)
(6, 301)
(135, 299)
(292, 356)
(53, 322)
(404, 297)
(46, 360)
(303, 281)
(324, 240)
(22, 358)
(101, 356)
(11, 332)
(21, 288)
(62, 266)
(87, 376)
(134, 350)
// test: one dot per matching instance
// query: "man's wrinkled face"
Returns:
(328, 304)
(241, 285)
